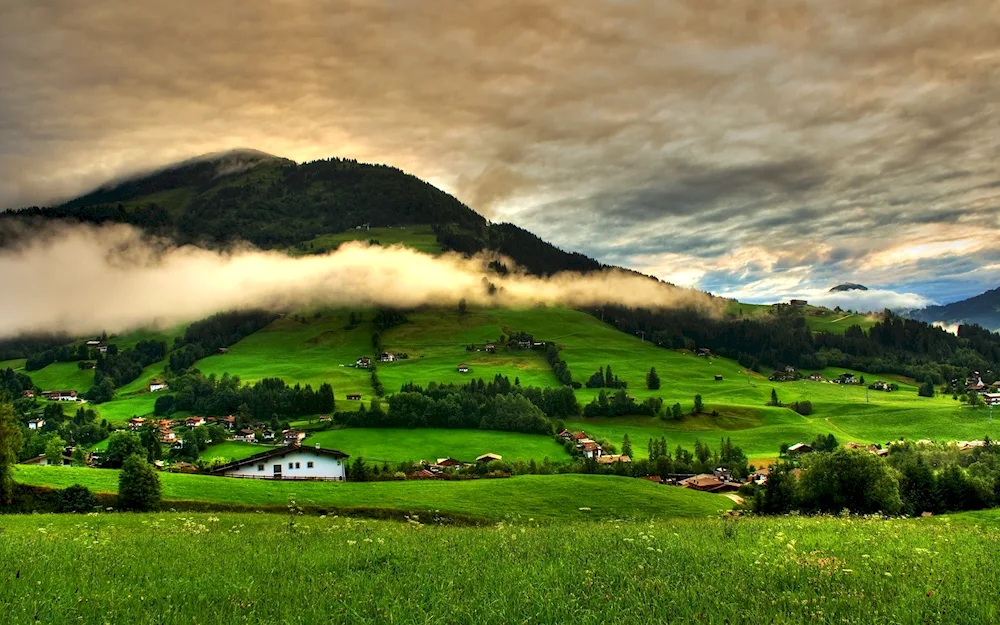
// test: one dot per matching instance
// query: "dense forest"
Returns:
(893, 345)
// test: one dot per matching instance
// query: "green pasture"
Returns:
(63, 375)
(550, 497)
(118, 411)
(344, 570)
(420, 238)
(400, 444)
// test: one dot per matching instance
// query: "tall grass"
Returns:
(228, 568)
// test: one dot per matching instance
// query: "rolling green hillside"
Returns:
(542, 497)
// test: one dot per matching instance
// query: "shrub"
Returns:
(76, 498)
(138, 485)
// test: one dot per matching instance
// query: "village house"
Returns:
(969, 445)
(167, 436)
(228, 422)
(245, 436)
(463, 368)
(36, 424)
(704, 352)
(488, 457)
(613, 458)
(566, 434)
(93, 343)
(60, 395)
(991, 399)
(447, 463)
(136, 423)
(292, 462)
(353, 396)
(708, 483)
(363, 362)
(490, 347)
(590, 449)
(223, 350)
(293, 437)
(846, 378)
(103, 349)
(760, 476)
(386, 357)
(800, 448)
(193, 422)
(815, 377)
(156, 385)
(718, 377)
(43, 461)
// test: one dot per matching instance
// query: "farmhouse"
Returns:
(488, 457)
(136, 423)
(490, 347)
(463, 368)
(61, 395)
(718, 378)
(193, 422)
(386, 357)
(245, 436)
(799, 448)
(167, 435)
(975, 384)
(991, 399)
(708, 483)
(590, 449)
(268, 435)
(354, 396)
(156, 385)
(846, 378)
(293, 437)
(36, 424)
(93, 343)
(103, 349)
(228, 422)
(293, 462)
(613, 458)
(815, 377)
(448, 462)
(42, 460)
(363, 362)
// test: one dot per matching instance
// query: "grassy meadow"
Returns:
(420, 238)
(257, 568)
(541, 497)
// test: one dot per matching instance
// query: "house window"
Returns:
(260, 467)
(298, 465)
(291, 465)
(309, 464)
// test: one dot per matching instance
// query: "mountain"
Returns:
(275, 203)
(848, 286)
(983, 309)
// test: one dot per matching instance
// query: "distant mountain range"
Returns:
(848, 286)
(276, 203)
(983, 309)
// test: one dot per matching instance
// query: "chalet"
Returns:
(760, 476)
(976, 384)
(62, 395)
(463, 368)
(136, 423)
(446, 463)
(718, 378)
(613, 458)
(566, 434)
(363, 363)
(29, 394)
(42, 460)
(386, 357)
(36, 424)
(488, 457)
(800, 448)
(167, 436)
(293, 437)
(292, 462)
(245, 436)
(156, 385)
(798, 303)
(708, 483)
(267, 435)
(845, 378)
(193, 422)
(590, 449)
(991, 399)
(228, 422)
(490, 347)
(815, 377)
(354, 396)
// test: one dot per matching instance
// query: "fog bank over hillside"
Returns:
(83, 279)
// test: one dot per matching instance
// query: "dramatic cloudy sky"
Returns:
(756, 148)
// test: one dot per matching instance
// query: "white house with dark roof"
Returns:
(292, 462)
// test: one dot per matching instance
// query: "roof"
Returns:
(280, 452)
(489, 457)
(705, 480)
(611, 458)
(799, 446)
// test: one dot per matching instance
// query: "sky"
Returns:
(760, 149)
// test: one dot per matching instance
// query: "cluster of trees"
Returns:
(62, 353)
(893, 345)
(82, 429)
(204, 338)
(660, 461)
(910, 480)
(386, 318)
(559, 366)
(262, 401)
(118, 368)
(13, 384)
(25, 346)
(604, 378)
(496, 405)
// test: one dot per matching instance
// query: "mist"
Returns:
(84, 279)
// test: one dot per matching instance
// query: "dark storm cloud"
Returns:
(707, 142)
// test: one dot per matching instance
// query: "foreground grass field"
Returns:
(548, 497)
(256, 568)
